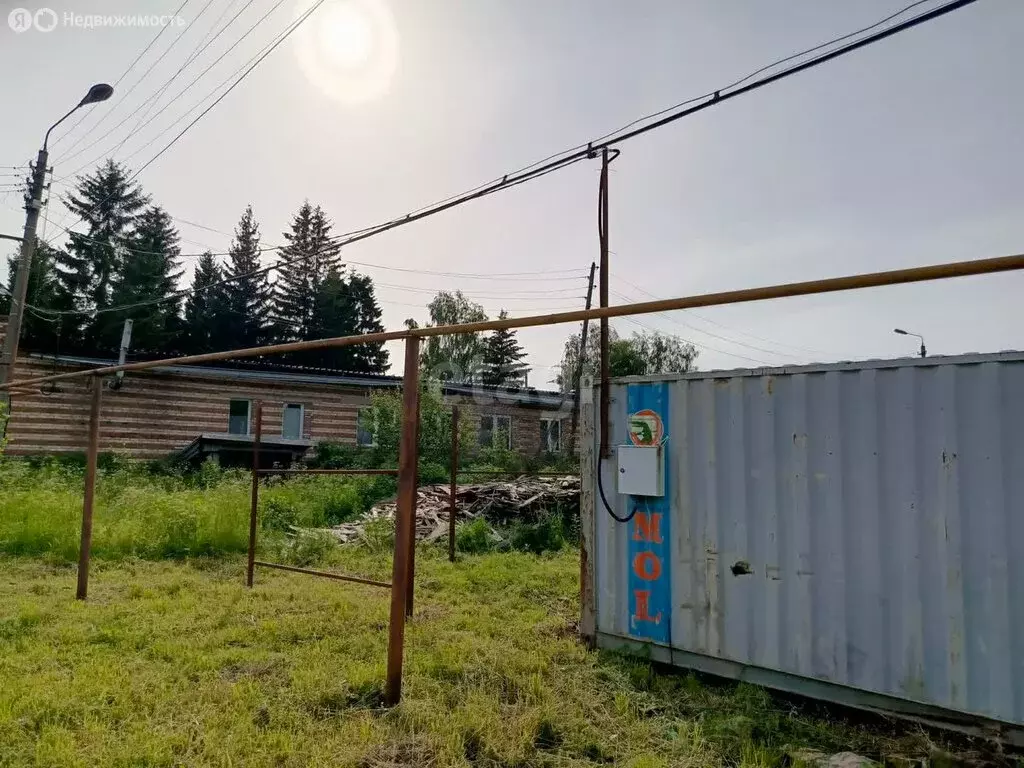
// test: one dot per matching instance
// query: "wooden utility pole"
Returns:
(602, 218)
(578, 374)
(405, 518)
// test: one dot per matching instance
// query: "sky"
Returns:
(901, 154)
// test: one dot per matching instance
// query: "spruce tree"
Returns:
(334, 315)
(305, 264)
(204, 308)
(38, 329)
(109, 204)
(149, 272)
(247, 298)
(368, 358)
(503, 358)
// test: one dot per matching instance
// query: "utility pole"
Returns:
(578, 379)
(602, 221)
(33, 205)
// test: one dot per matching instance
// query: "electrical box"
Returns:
(641, 470)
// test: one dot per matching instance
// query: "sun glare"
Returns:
(349, 49)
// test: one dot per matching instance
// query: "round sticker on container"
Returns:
(646, 428)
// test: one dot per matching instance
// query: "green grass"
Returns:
(176, 663)
(139, 514)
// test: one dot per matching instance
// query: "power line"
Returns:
(647, 327)
(124, 74)
(153, 100)
(667, 316)
(267, 51)
(142, 126)
(581, 152)
(726, 327)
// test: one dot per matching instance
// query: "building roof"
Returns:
(262, 371)
(971, 358)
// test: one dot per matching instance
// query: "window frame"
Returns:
(248, 416)
(494, 417)
(546, 447)
(373, 431)
(302, 419)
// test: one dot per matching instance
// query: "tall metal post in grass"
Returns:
(407, 462)
(92, 453)
(255, 501)
(410, 592)
(454, 473)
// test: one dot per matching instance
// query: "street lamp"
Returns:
(99, 92)
(901, 332)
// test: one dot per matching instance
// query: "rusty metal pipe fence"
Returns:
(401, 585)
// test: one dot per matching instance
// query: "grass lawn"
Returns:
(176, 663)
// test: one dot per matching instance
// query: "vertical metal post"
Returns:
(407, 461)
(454, 473)
(603, 236)
(85, 549)
(255, 501)
(411, 590)
(577, 381)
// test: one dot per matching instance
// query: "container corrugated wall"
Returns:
(860, 525)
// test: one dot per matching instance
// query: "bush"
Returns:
(475, 537)
(328, 455)
(379, 535)
(548, 534)
(304, 549)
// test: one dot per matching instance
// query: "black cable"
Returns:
(135, 85)
(175, 100)
(607, 506)
(506, 182)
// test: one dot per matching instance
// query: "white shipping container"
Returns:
(852, 532)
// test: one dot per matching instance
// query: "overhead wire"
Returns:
(259, 59)
(124, 74)
(711, 321)
(174, 100)
(712, 334)
(581, 152)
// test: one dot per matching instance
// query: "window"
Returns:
(291, 421)
(492, 425)
(551, 435)
(366, 430)
(238, 417)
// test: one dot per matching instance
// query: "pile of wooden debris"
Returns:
(499, 502)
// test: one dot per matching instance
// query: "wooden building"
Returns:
(153, 414)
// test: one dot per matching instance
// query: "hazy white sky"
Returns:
(908, 152)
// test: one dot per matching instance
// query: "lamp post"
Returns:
(901, 332)
(33, 204)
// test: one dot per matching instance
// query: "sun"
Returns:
(346, 35)
(349, 48)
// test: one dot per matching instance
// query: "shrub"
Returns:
(475, 537)
(304, 549)
(548, 534)
(379, 535)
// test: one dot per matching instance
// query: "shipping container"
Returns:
(852, 532)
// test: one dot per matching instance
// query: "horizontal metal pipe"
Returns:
(325, 574)
(212, 357)
(810, 287)
(518, 474)
(328, 471)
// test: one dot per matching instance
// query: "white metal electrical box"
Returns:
(641, 470)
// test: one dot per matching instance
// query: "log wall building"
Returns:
(153, 414)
